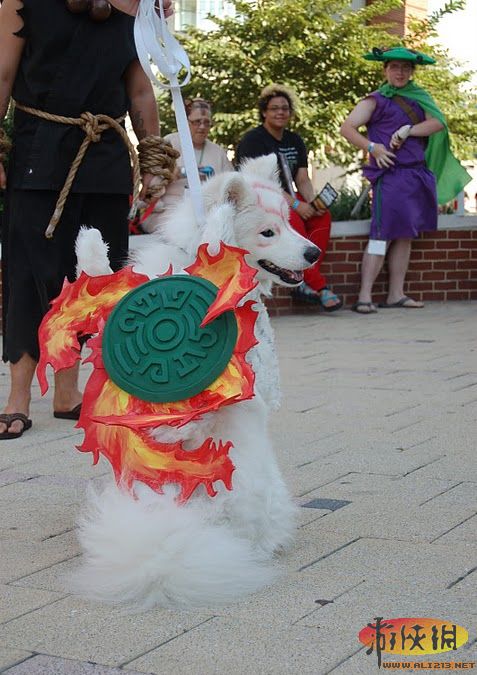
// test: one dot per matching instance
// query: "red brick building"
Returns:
(400, 17)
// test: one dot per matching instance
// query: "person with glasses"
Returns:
(211, 159)
(408, 145)
(276, 107)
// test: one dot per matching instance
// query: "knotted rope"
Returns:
(157, 157)
(93, 127)
(5, 145)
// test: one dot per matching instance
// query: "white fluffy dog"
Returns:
(148, 549)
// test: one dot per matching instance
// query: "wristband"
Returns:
(370, 147)
(295, 204)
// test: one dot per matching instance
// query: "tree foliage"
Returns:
(316, 47)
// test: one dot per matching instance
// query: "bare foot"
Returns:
(67, 395)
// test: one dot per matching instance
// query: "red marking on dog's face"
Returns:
(270, 206)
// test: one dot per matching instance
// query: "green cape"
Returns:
(451, 177)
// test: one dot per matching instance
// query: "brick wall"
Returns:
(443, 267)
(399, 18)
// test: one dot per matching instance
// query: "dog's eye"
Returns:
(267, 233)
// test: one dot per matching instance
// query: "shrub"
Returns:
(344, 204)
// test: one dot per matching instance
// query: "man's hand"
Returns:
(153, 187)
(383, 156)
(319, 210)
(3, 178)
(131, 6)
(399, 136)
(305, 211)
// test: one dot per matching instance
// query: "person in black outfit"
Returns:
(131, 6)
(55, 61)
(276, 107)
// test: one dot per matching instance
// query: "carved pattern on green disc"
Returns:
(153, 346)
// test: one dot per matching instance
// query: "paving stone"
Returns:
(379, 413)
(22, 558)
(40, 519)
(15, 452)
(328, 504)
(9, 476)
(465, 532)
(291, 598)
(429, 566)
(412, 489)
(9, 657)
(51, 665)
(15, 601)
(67, 460)
(76, 629)
(226, 644)
(393, 519)
(56, 578)
(52, 488)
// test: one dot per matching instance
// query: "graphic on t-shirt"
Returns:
(291, 155)
(285, 173)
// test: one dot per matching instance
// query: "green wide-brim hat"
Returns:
(399, 54)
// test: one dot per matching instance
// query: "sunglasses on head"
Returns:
(197, 103)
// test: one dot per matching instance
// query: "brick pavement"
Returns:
(376, 439)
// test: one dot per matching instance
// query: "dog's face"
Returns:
(254, 216)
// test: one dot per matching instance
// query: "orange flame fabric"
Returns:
(118, 425)
(77, 311)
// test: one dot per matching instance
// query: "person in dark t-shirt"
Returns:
(276, 106)
(64, 64)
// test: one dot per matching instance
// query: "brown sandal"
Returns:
(73, 414)
(8, 419)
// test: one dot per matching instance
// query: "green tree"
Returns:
(316, 47)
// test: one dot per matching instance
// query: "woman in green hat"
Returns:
(407, 141)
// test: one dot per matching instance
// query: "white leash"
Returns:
(154, 43)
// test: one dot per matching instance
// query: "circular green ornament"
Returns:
(154, 347)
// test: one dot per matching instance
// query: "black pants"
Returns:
(34, 268)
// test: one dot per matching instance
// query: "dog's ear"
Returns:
(219, 227)
(265, 167)
(235, 191)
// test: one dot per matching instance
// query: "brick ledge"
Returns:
(353, 228)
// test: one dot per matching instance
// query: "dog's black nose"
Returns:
(312, 253)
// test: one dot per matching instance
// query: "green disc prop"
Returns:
(153, 346)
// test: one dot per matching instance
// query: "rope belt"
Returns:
(93, 127)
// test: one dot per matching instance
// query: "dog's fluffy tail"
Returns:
(147, 552)
(91, 253)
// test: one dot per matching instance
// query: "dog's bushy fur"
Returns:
(209, 551)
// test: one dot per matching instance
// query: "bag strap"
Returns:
(405, 107)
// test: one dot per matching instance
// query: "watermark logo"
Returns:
(411, 637)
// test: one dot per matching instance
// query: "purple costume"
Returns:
(404, 196)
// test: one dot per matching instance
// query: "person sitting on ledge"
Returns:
(276, 107)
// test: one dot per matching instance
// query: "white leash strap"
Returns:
(154, 43)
